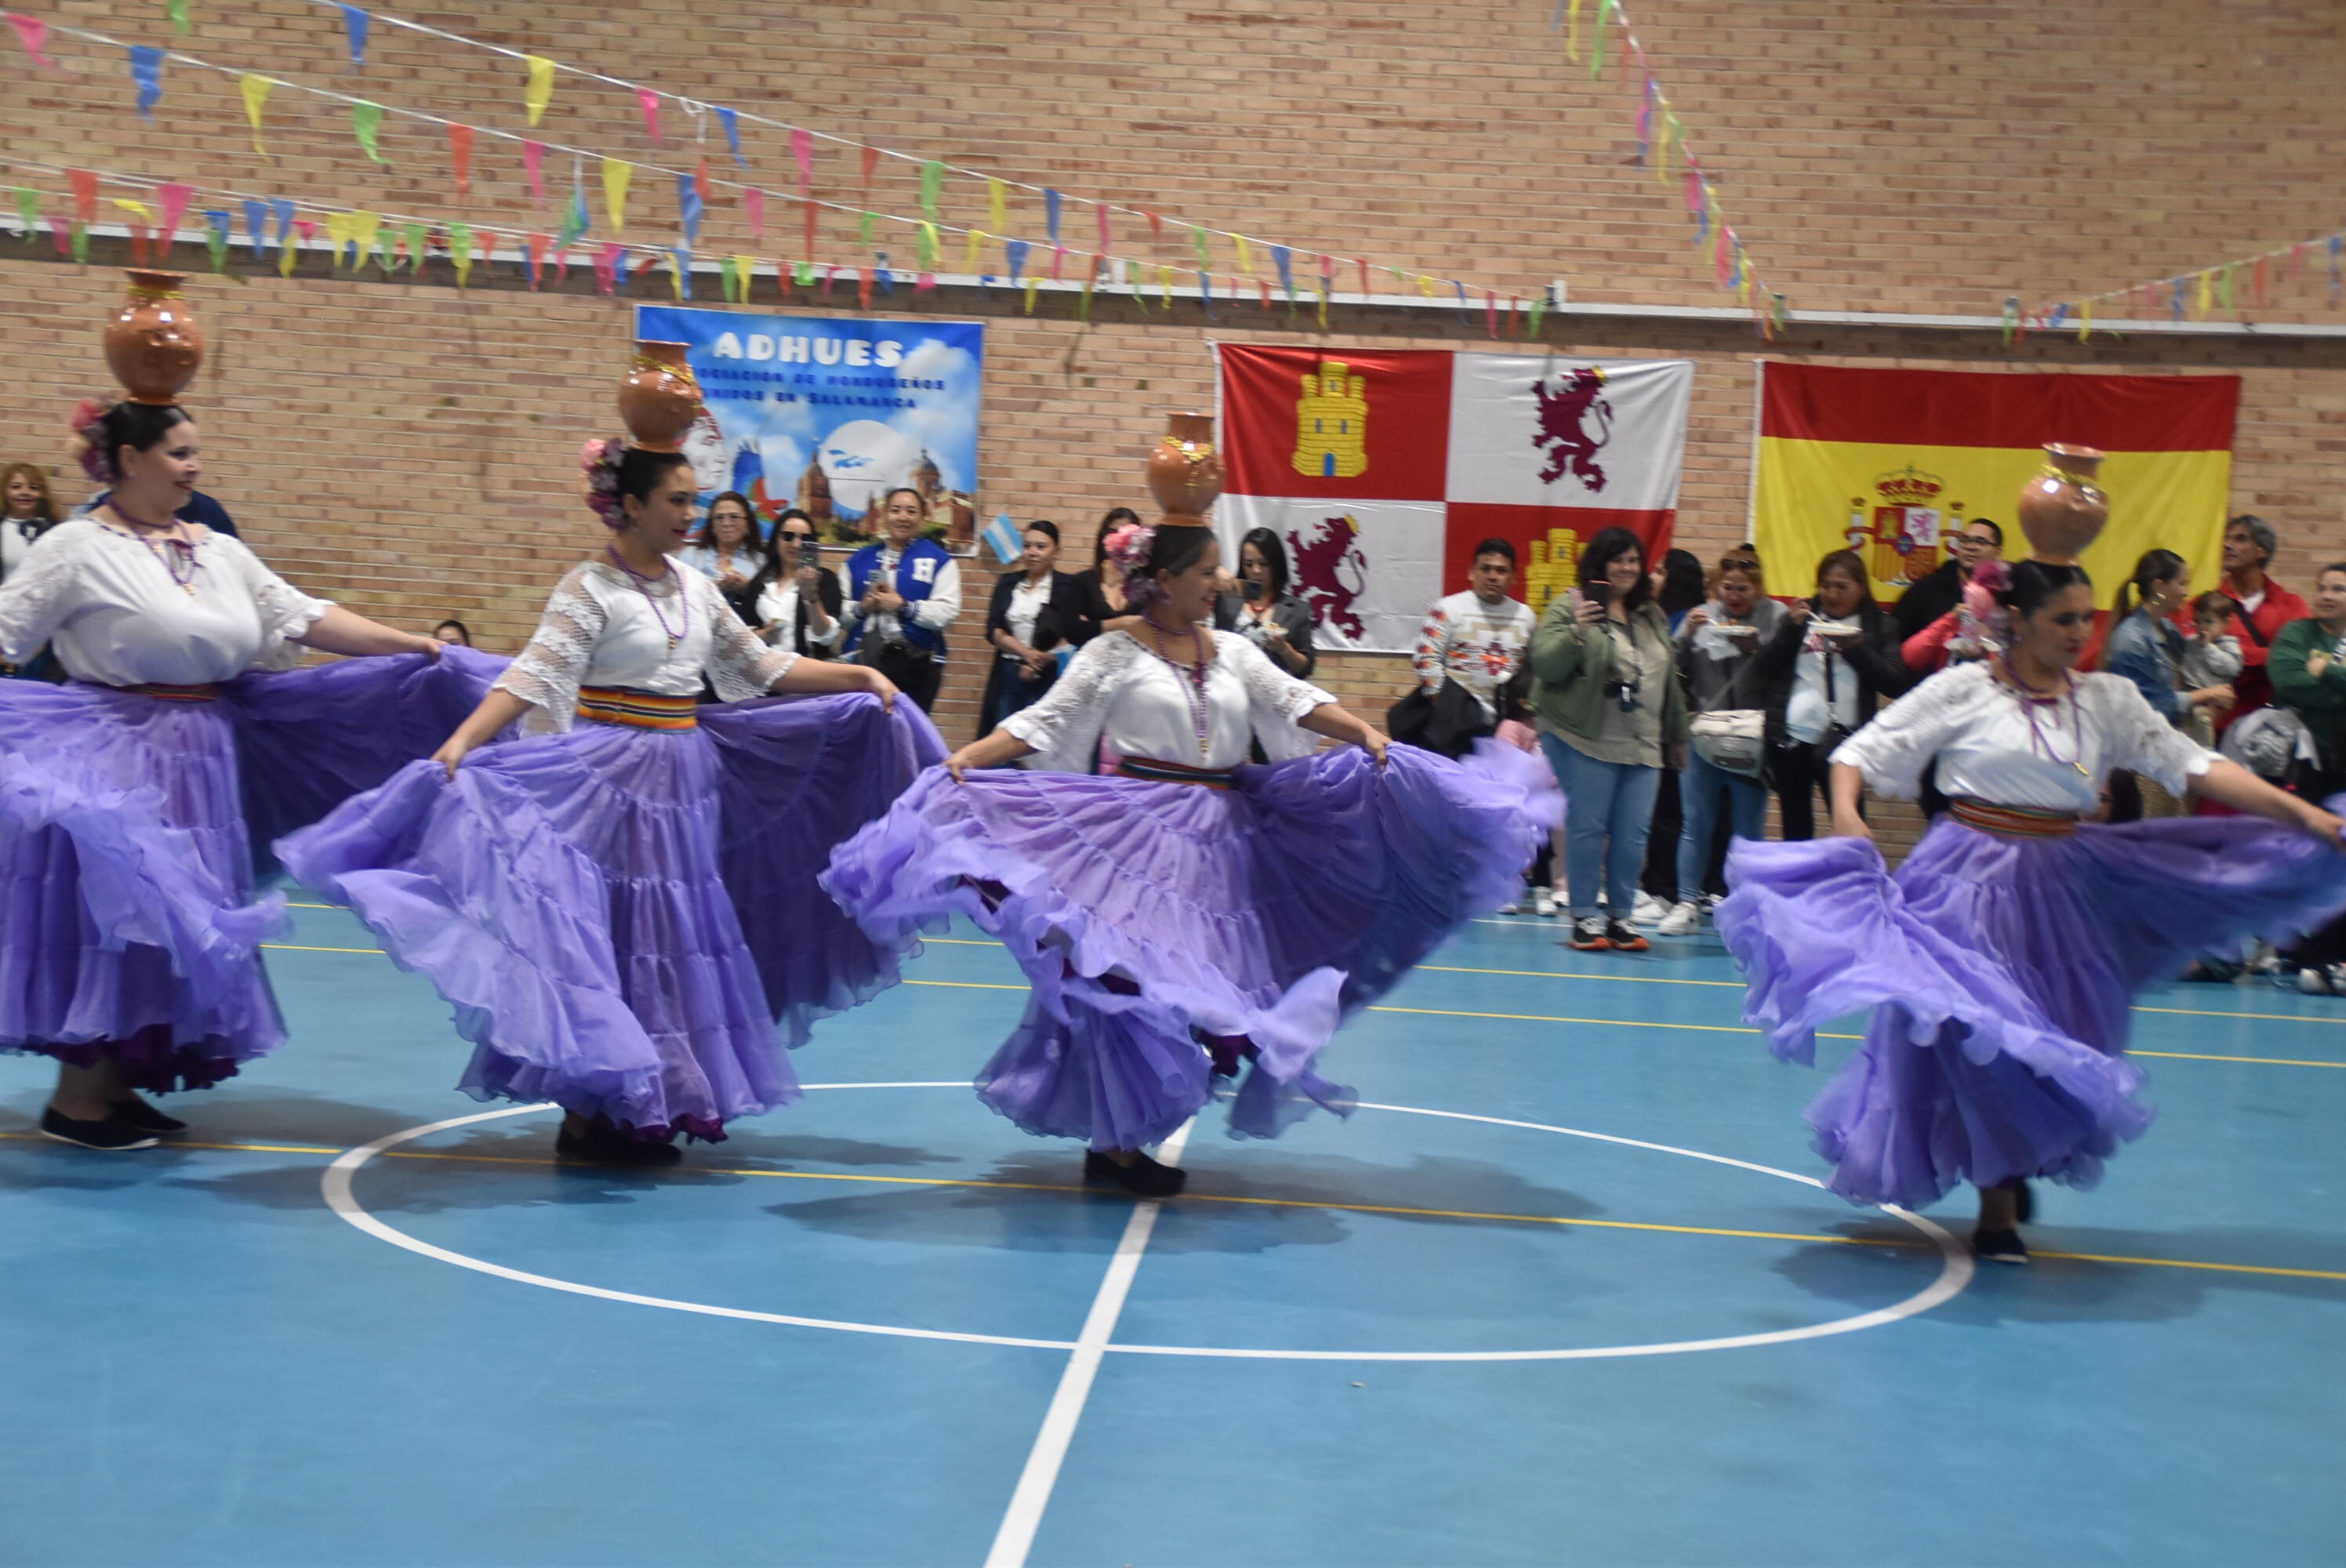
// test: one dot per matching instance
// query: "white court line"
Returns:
(1025, 1514)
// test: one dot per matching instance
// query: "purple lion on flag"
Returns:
(1322, 559)
(1575, 423)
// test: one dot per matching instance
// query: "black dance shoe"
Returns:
(1144, 1178)
(1999, 1245)
(136, 1112)
(2024, 1203)
(111, 1135)
(603, 1144)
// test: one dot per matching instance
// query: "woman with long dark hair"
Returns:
(1035, 609)
(1264, 612)
(2144, 646)
(1188, 914)
(566, 891)
(1103, 585)
(2001, 959)
(1828, 667)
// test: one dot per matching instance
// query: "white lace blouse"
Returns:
(108, 605)
(1987, 749)
(1117, 691)
(600, 628)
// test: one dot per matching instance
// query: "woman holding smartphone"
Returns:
(1264, 612)
(797, 598)
(1831, 663)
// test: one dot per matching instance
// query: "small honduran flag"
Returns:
(1001, 536)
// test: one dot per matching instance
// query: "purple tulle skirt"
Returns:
(128, 927)
(617, 915)
(1170, 930)
(2001, 971)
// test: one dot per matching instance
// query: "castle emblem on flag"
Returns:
(1550, 568)
(1575, 423)
(1900, 535)
(1331, 423)
(1332, 572)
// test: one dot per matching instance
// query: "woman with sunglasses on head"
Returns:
(2002, 957)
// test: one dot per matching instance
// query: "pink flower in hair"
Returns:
(88, 442)
(1128, 545)
(599, 460)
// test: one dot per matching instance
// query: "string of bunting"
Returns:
(696, 184)
(2243, 284)
(1659, 133)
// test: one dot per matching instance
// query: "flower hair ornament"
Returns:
(1128, 545)
(88, 442)
(1982, 626)
(599, 460)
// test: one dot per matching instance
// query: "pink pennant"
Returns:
(536, 244)
(533, 159)
(753, 204)
(803, 149)
(1100, 209)
(650, 100)
(606, 265)
(1719, 255)
(927, 281)
(62, 232)
(34, 33)
(308, 228)
(1058, 260)
(173, 199)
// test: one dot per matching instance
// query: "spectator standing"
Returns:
(1103, 584)
(1476, 637)
(452, 634)
(902, 592)
(797, 602)
(1611, 715)
(1941, 591)
(1825, 671)
(1678, 591)
(2308, 666)
(27, 510)
(730, 551)
(2211, 657)
(1264, 613)
(1718, 647)
(1034, 610)
(2260, 608)
(1677, 585)
(2144, 647)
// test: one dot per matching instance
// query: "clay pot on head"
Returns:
(2062, 510)
(1185, 473)
(660, 398)
(152, 342)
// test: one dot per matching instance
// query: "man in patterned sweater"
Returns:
(1476, 638)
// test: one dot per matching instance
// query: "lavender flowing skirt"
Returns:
(2000, 972)
(128, 926)
(1168, 929)
(620, 915)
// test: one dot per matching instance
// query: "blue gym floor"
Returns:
(483, 1359)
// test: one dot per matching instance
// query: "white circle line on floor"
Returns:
(1955, 1268)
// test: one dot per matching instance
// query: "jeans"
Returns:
(1604, 801)
(1701, 787)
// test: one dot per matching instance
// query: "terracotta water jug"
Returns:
(660, 398)
(2062, 510)
(1185, 472)
(152, 342)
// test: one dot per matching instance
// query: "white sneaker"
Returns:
(1511, 909)
(2312, 981)
(1685, 919)
(1543, 902)
(1649, 909)
(1711, 903)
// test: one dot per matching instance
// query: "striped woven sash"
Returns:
(1157, 772)
(637, 709)
(2012, 822)
(162, 691)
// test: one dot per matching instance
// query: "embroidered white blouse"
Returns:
(107, 603)
(600, 628)
(1987, 748)
(1117, 691)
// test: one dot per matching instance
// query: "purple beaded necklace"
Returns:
(1194, 692)
(643, 585)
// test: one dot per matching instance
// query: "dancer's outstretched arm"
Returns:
(823, 678)
(497, 710)
(339, 631)
(995, 750)
(1338, 723)
(2227, 782)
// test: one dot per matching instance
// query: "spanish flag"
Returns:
(1892, 463)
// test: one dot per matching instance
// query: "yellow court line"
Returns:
(969, 984)
(2215, 1012)
(2256, 1061)
(297, 947)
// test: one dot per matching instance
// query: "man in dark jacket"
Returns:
(1943, 590)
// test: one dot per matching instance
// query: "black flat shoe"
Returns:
(136, 1112)
(1999, 1245)
(1144, 1178)
(603, 1144)
(2024, 1203)
(111, 1136)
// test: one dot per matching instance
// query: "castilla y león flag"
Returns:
(1382, 469)
(1894, 463)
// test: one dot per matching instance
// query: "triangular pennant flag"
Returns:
(753, 208)
(256, 224)
(255, 89)
(700, 179)
(532, 163)
(460, 157)
(354, 24)
(1051, 214)
(932, 181)
(732, 124)
(1263, 284)
(679, 273)
(863, 229)
(802, 154)
(1537, 313)
(1013, 253)
(928, 246)
(413, 237)
(173, 199)
(540, 90)
(177, 10)
(1202, 245)
(366, 123)
(728, 276)
(34, 33)
(460, 251)
(969, 262)
(1245, 254)
(802, 274)
(146, 75)
(1284, 260)
(870, 162)
(281, 211)
(28, 212)
(1164, 285)
(863, 288)
(145, 217)
(924, 282)
(606, 265)
(80, 246)
(84, 184)
(574, 221)
(997, 205)
(812, 213)
(536, 246)
(1362, 263)
(616, 176)
(1031, 284)
(1058, 260)
(1323, 307)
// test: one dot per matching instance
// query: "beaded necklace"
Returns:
(643, 585)
(2037, 740)
(1194, 692)
(179, 562)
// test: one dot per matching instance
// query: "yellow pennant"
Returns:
(256, 94)
(1572, 34)
(1164, 285)
(286, 253)
(745, 268)
(970, 262)
(540, 91)
(1246, 256)
(675, 277)
(1425, 285)
(997, 204)
(462, 256)
(2207, 298)
(338, 235)
(1323, 307)
(1032, 283)
(138, 209)
(617, 173)
(2085, 321)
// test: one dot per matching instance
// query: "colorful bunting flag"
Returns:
(256, 224)
(366, 123)
(616, 175)
(532, 163)
(802, 153)
(146, 76)
(460, 252)
(540, 90)
(1283, 259)
(608, 259)
(732, 124)
(997, 205)
(870, 162)
(83, 183)
(932, 181)
(460, 157)
(355, 23)
(172, 196)
(177, 10)
(28, 212)
(690, 208)
(34, 33)
(970, 257)
(255, 90)
(649, 101)
(1014, 252)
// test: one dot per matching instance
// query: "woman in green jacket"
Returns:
(1611, 715)
(2308, 666)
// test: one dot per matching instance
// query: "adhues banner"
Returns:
(830, 414)
(1892, 463)
(1381, 470)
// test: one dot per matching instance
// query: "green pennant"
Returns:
(2224, 284)
(729, 278)
(216, 241)
(382, 253)
(413, 233)
(81, 243)
(460, 251)
(1535, 315)
(863, 230)
(1596, 52)
(803, 274)
(366, 123)
(29, 210)
(933, 179)
(1203, 246)
(177, 11)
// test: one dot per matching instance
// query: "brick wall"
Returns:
(411, 449)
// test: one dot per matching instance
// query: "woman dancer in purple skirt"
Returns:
(1190, 913)
(577, 893)
(130, 797)
(2002, 958)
